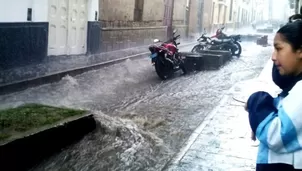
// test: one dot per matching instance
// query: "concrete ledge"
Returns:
(212, 61)
(265, 30)
(262, 41)
(193, 61)
(206, 60)
(250, 37)
(226, 54)
(24, 153)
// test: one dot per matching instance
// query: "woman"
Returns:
(277, 122)
(285, 82)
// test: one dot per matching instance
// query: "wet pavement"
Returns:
(222, 142)
(142, 121)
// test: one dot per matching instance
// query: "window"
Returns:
(138, 10)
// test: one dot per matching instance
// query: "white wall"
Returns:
(93, 5)
(40, 10)
(16, 10)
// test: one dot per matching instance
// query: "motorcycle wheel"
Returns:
(163, 70)
(227, 47)
(183, 68)
(238, 49)
(197, 48)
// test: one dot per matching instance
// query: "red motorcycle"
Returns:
(166, 58)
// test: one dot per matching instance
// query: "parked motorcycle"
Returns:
(165, 57)
(203, 41)
(219, 41)
(233, 41)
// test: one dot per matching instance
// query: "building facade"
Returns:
(133, 23)
(35, 29)
(223, 13)
(200, 16)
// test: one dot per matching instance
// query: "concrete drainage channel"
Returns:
(25, 152)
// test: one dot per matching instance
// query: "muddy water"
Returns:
(116, 144)
(146, 121)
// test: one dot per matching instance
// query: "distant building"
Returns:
(132, 23)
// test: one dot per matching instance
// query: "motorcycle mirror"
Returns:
(174, 31)
(156, 40)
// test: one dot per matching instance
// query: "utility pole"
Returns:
(200, 15)
(168, 17)
(187, 17)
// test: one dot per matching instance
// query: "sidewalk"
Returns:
(222, 142)
(57, 64)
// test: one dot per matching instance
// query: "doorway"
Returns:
(67, 27)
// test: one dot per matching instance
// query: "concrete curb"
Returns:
(179, 156)
(55, 77)
(26, 152)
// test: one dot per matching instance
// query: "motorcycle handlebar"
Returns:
(176, 37)
(203, 36)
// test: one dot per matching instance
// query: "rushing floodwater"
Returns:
(143, 121)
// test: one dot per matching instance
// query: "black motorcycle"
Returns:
(233, 41)
(220, 41)
(203, 41)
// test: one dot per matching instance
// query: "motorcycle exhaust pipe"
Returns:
(169, 60)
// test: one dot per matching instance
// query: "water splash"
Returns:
(116, 144)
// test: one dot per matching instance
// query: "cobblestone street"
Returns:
(222, 142)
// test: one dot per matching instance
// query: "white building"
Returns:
(30, 30)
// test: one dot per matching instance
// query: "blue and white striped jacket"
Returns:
(277, 123)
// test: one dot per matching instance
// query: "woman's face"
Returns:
(285, 58)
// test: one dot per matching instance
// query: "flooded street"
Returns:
(142, 121)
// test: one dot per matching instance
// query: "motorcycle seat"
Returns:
(235, 36)
(221, 40)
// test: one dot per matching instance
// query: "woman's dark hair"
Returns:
(292, 31)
